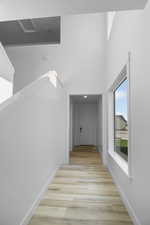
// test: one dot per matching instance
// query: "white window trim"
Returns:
(124, 165)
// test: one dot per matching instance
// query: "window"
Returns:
(119, 123)
(121, 119)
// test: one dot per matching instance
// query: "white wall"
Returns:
(6, 75)
(100, 124)
(32, 145)
(79, 59)
(76, 126)
(71, 128)
(131, 33)
(85, 113)
(6, 67)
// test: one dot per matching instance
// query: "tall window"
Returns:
(121, 119)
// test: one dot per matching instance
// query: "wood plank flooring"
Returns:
(82, 193)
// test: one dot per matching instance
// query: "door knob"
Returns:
(80, 129)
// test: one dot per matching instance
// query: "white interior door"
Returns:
(87, 124)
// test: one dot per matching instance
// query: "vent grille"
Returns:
(27, 26)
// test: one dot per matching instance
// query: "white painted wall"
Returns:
(6, 67)
(85, 116)
(76, 126)
(71, 117)
(32, 145)
(100, 124)
(79, 59)
(131, 33)
(6, 75)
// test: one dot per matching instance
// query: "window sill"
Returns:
(120, 162)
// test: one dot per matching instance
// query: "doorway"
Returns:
(86, 121)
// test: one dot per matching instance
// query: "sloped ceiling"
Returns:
(21, 9)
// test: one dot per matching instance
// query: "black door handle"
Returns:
(80, 129)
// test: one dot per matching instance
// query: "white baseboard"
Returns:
(126, 202)
(35, 204)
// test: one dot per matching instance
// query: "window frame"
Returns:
(114, 112)
(122, 163)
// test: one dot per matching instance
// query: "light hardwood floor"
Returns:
(82, 193)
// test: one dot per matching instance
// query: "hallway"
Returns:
(82, 193)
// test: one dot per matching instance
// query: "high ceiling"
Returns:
(33, 31)
(22, 9)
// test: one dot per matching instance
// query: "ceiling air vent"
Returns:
(27, 26)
